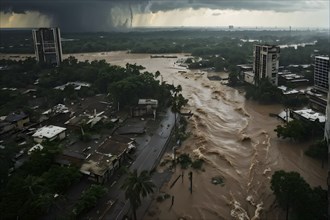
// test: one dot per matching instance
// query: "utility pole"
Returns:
(190, 174)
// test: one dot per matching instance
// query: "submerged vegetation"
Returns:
(186, 161)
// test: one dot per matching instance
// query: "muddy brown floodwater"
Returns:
(237, 141)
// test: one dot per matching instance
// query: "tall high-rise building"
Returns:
(266, 63)
(327, 121)
(321, 73)
(321, 69)
(47, 45)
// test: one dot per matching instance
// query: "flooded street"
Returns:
(235, 138)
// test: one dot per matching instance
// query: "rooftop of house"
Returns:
(59, 108)
(98, 164)
(289, 75)
(48, 131)
(14, 117)
(76, 85)
(311, 115)
(114, 145)
(35, 147)
(148, 102)
(102, 158)
(245, 66)
(316, 94)
(287, 91)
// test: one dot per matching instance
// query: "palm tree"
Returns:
(137, 186)
(177, 102)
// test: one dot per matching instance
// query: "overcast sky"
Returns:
(107, 15)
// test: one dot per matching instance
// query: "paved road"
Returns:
(147, 159)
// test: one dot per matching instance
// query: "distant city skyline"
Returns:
(109, 15)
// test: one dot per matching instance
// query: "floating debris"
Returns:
(218, 180)
(163, 197)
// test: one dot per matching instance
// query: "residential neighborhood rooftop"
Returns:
(311, 115)
(76, 85)
(48, 131)
(148, 102)
(14, 117)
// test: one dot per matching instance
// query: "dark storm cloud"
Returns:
(103, 15)
(273, 5)
(75, 15)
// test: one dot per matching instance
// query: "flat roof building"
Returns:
(308, 115)
(19, 119)
(47, 46)
(266, 63)
(49, 133)
(321, 73)
(100, 165)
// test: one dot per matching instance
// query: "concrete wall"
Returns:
(21, 123)
(249, 78)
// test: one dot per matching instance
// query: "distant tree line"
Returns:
(198, 43)
(125, 85)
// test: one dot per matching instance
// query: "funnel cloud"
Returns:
(107, 15)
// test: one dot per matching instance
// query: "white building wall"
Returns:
(270, 64)
(61, 135)
(249, 78)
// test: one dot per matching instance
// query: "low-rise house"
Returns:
(249, 77)
(82, 119)
(57, 109)
(35, 148)
(100, 165)
(70, 158)
(148, 103)
(286, 91)
(318, 101)
(145, 107)
(76, 85)
(308, 115)
(49, 133)
(245, 67)
(18, 119)
(288, 78)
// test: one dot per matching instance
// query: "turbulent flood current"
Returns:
(235, 138)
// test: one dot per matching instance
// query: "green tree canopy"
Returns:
(294, 193)
(137, 186)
